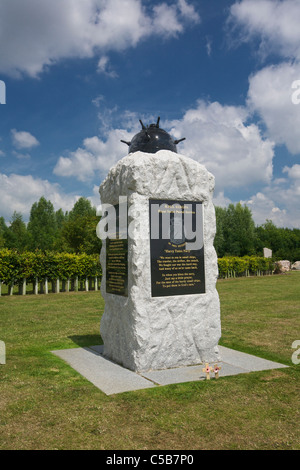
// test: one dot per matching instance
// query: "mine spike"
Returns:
(125, 142)
(179, 140)
(157, 124)
(143, 127)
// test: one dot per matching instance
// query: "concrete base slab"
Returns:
(104, 374)
(112, 378)
(233, 363)
(247, 361)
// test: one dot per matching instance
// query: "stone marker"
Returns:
(267, 253)
(284, 265)
(296, 266)
(159, 268)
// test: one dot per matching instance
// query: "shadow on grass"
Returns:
(86, 340)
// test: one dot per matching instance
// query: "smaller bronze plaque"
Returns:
(117, 256)
(117, 267)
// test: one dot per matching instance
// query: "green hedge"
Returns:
(14, 266)
(232, 266)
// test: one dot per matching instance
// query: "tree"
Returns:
(219, 241)
(244, 230)
(42, 226)
(235, 231)
(16, 234)
(82, 208)
(284, 242)
(3, 229)
(79, 231)
(268, 236)
(59, 243)
(60, 217)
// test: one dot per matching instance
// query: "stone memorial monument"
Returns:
(159, 265)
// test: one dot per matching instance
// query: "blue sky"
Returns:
(80, 74)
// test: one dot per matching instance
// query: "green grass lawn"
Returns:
(45, 404)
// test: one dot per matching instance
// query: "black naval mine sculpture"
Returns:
(151, 139)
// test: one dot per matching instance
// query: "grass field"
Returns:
(45, 404)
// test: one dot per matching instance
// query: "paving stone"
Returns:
(104, 374)
(247, 361)
(189, 374)
(112, 378)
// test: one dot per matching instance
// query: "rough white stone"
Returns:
(296, 266)
(284, 265)
(142, 332)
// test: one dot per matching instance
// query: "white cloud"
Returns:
(166, 15)
(232, 150)
(221, 200)
(105, 68)
(96, 156)
(23, 139)
(98, 100)
(21, 156)
(278, 202)
(239, 157)
(95, 200)
(216, 136)
(270, 94)
(293, 172)
(18, 193)
(208, 46)
(263, 208)
(37, 34)
(275, 22)
(168, 20)
(221, 138)
(188, 11)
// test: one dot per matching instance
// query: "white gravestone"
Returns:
(267, 253)
(165, 314)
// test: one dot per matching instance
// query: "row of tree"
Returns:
(50, 230)
(237, 235)
(75, 232)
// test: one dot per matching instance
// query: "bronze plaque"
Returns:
(117, 267)
(117, 256)
(176, 248)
